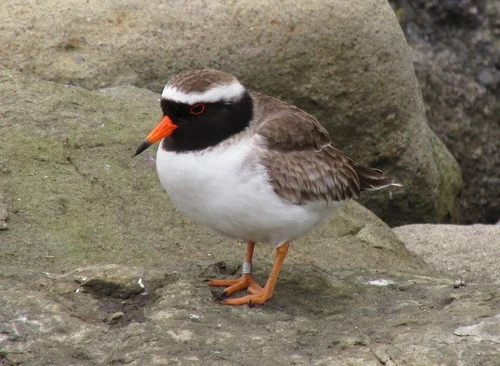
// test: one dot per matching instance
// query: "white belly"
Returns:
(226, 190)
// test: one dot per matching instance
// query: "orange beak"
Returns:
(163, 129)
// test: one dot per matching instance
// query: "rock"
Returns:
(488, 77)
(469, 253)
(483, 331)
(317, 316)
(345, 62)
(3, 212)
(98, 265)
(76, 194)
(455, 50)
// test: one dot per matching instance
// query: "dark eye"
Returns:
(197, 108)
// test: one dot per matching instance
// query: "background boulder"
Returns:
(346, 62)
(74, 194)
(456, 53)
(97, 264)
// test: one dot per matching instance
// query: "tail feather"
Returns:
(372, 179)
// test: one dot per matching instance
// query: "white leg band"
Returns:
(247, 268)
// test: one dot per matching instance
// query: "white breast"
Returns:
(225, 189)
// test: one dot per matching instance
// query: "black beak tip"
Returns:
(145, 144)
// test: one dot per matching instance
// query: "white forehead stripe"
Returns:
(224, 92)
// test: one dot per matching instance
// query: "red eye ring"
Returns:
(197, 108)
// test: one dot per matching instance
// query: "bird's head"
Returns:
(200, 108)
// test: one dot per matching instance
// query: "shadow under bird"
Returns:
(250, 167)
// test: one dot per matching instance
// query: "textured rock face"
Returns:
(466, 252)
(74, 200)
(101, 315)
(346, 62)
(456, 52)
(97, 266)
(70, 183)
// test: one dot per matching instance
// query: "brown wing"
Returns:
(302, 164)
(305, 176)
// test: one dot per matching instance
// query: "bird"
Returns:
(250, 167)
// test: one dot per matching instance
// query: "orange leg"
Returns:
(245, 281)
(258, 294)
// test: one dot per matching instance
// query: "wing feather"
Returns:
(302, 163)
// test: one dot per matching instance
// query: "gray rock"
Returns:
(75, 188)
(486, 330)
(3, 212)
(456, 51)
(469, 253)
(345, 62)
(317, 316)
(97, 266)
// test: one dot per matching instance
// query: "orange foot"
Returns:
(258, 294)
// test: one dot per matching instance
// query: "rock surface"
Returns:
(97, 267)
(346, 62)
(467, 253)
(75, 196)
(456, 52)
(392, 311)
(102, 315)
